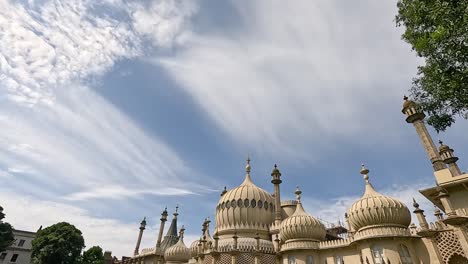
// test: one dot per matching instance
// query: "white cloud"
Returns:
(45, 47)
(27, 213)
(300, 75)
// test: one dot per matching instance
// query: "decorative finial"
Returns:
(247, 167)
(405, 97)
(364, 172)
(181, 232)
(298, 193)
(415, 204)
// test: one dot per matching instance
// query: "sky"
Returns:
(111, 110)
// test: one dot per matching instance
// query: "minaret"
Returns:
(140, 235)
(416, 117)
(444, 199)
(446, 153)
(276, 180)
(420, 215)
(161, 228)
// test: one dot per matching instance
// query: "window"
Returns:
(260, 204)
(14, 258)
(266, 206)
(310, 260)
(246, 203)
(21, 243)
(239, 203)
(339, 260)
(233, 204)
(3, 256)
(253, 204)
(405, 256)
(378, 255)
(291, 260)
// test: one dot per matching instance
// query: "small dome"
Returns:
(302, 226)
(178, 252)
(375, 209)
(443, 147)
(407, 103)
(194, 248)
(245, 209)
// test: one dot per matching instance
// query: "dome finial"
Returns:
(415, 204)
(364, 172)
(247, 167)
(298, 193)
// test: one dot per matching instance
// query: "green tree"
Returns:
(438, 31)
(6, 233)
(93, 255)
(61, 243)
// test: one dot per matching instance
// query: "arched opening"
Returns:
(457, 259)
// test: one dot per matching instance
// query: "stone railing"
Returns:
(382, 231)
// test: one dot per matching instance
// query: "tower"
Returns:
(161, 228)
(140, 235)
(416, 117)
(276, 180)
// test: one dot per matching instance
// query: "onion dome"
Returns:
(194, 248)
(246, 209)
(377, 210)
(178, 252)
(301, 225)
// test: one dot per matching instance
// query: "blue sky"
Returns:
(110, 111)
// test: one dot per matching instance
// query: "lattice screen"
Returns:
(245, 258)
(224, 259)
(208, 259)
(448, 245)
(268, 259)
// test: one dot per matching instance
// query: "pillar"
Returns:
(140, 235)
(416, 117)
(420, 215)
(276, 180)
(161, 228)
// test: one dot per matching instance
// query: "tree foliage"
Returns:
(438, 31)
(93, 255)
(61, 243)
(6, 233)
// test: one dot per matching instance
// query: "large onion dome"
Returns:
(178, 253)
(301, 226)
(377, 210)
(194, 248)
(246, 210)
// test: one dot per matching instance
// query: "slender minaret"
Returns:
(276, 180)
(446, 153)
(420, 215)
(416, 117)
(140, 235)
(161, 228)
(444, 199)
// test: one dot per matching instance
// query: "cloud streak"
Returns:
(298, 72)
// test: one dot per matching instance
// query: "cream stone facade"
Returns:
(254, 226)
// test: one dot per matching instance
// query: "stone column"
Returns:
(140, 235)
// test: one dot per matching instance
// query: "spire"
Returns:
(171, 236)
(420, 215)
(247, 179)
(276, 180)
(369, 191)
(437, 213)
(298, 193)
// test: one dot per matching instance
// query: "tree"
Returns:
(61, 243)
(6, 233)
(93, 255)
(438, 31)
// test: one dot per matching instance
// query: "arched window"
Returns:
(405, 256)
(377, 254)
(339, 260)
(310, 260)
(291, 260)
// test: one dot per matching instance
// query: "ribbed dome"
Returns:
(245, 209)
(194, 248)
(375, 209)
(301, 226)
(178, 252)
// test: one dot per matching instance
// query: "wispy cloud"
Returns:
(300, 75)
